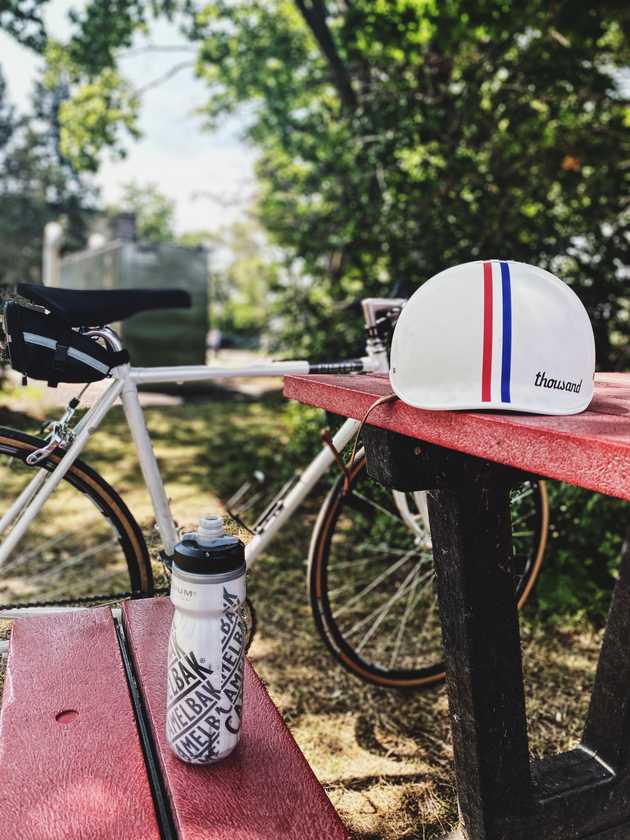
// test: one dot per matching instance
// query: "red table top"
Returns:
(590, 450)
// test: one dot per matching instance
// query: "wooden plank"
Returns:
(472, 550)
(561, 775)
(574, 794)
(71, 764)
(607, 730)
(590, 450)
(403, 463)
(264, 791)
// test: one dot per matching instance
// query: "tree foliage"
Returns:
(36, 186)
(97, 113)
(435, 134)
(243, 272)
(399, 137)
(24, 21)
(242, 284)
(154, 211)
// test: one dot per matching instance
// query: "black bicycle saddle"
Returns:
(80, 308)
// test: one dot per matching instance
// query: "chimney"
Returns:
(124, 227)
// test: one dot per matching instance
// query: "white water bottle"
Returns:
(206, 650)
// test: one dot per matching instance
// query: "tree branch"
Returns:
(164, 77)
(155, 48)
(314, 14)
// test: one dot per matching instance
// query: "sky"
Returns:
(208, 174)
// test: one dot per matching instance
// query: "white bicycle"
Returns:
(370, 575)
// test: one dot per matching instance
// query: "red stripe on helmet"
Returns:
(486, 367)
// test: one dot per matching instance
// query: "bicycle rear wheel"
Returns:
(371, 582)
(83, 547)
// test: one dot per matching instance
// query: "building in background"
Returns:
(163, 337)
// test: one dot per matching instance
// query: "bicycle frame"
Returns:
(125, 383)
(125, 386)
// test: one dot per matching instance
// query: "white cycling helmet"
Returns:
(494, 334)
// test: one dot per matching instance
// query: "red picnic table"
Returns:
(469, 461)
(83, 752)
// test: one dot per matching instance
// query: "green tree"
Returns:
(98, 111)
(154, 211)
(246, 281)
(23, 19)
(36, 186)
(402, 136)
(243, 273)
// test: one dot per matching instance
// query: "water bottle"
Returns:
(206, 650)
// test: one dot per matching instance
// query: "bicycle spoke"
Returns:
(522, 518)
(383, 607)
(380, 603)
(432, 609)
(522, 495)
(403, 623)
(79, 545)
(77, 560)
(352, 565)
(375, 582)
(54, 542)
(94, 583)
(385, 610)
(376, 506)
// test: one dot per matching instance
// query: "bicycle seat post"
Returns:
(111, 338)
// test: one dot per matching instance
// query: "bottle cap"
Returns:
(208, 550)
(210, 528)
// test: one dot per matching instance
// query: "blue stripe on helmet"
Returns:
(506, 360)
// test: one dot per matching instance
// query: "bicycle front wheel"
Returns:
(371, 581)
(83, 547)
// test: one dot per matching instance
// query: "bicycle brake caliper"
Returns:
(61, 436)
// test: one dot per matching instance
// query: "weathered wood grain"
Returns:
(265, 790)
(465, 461)
(71, 764)
(591, 449)
(472, 550)
(607, 730)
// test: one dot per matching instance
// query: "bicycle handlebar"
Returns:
(349, 366)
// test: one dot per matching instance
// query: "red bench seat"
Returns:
(71, 760)
(265, 789)
(71, 763)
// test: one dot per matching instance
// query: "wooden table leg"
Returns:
(607, 730)
(472, 549)
(582, 793)
(469, 510)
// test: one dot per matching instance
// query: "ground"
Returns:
(383, 757)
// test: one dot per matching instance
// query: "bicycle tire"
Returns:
(318, 587)
(128, 546)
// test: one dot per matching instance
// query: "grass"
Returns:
(383, 757)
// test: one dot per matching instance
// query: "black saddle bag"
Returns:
(43, 347)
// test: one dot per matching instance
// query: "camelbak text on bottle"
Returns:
(207, 645)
